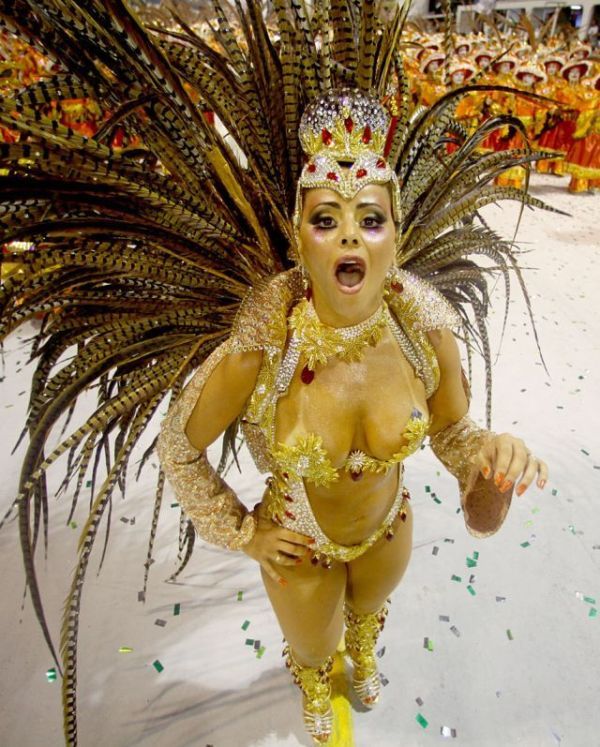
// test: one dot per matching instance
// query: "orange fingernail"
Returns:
(499, 479)
(282, 582)
(542, 484)
(521, 489)
(506, 486)
(485, 472)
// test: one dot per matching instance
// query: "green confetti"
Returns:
(436, 500)
(88, 484)
(456, 578)
(260, 652)
(471, 563)
(73, 524)
(245, 624)
(428, 488)
(422, 721)
(158, 666)
(174, 505)
(429, 644)
(51, 675)
(249, 641)
(583, 451)
(554, 491)
(125, 650)
(177, 608)
(509, 634)
(589, 600)
(593, 612)
(476, 555)
(240, 594)
(471, 590)
(528, 523)
(524, 544)
(535, 510)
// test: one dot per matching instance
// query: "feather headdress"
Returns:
(142, 254)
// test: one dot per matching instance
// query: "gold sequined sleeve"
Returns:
(484, 506)
(214, 509)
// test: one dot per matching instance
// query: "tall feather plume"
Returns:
(141, 255)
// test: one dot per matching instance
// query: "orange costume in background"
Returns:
(582, 161)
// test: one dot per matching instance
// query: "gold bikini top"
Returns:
(307, 458)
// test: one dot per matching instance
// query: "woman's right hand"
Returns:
(273, 546)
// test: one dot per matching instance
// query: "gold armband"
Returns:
(483, 505)
(216, 513)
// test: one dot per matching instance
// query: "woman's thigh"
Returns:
(310, 608)
(373, 576)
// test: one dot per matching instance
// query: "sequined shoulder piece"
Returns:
(261, 321)
(422, 305)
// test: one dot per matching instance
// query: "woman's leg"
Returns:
(371, 579)
(310, 609)
(373, 576)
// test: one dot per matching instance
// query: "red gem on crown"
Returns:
(332, 176)
(360, 173)
(326, 136)
(311, 167)
(348, 124)
(381, 163)
(366, 138)
(397, 286)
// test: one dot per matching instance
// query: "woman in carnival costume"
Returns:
(315, 294)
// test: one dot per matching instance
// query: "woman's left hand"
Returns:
(507, 460)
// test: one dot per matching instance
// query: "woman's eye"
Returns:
(372, 221)
(324, 221)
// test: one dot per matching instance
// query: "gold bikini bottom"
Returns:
(292, 510)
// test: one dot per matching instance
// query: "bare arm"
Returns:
(223, 397)
(215, 397)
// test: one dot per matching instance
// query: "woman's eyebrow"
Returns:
(369, 203)
(329, 203)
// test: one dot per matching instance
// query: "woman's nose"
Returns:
(353, 241)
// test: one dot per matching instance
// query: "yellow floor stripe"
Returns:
(343, 732)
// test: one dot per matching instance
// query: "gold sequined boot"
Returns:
(316, 688)
(362, 632)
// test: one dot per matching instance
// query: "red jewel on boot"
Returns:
(381, 163)
(348, 124)
(312, 168)
(360, 173)
(307, 375)
(397, 286)
(366, 138)
(356, 476)
(326, 136)
(308, 293)
(332, 176)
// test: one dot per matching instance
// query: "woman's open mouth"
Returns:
(350, 273)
